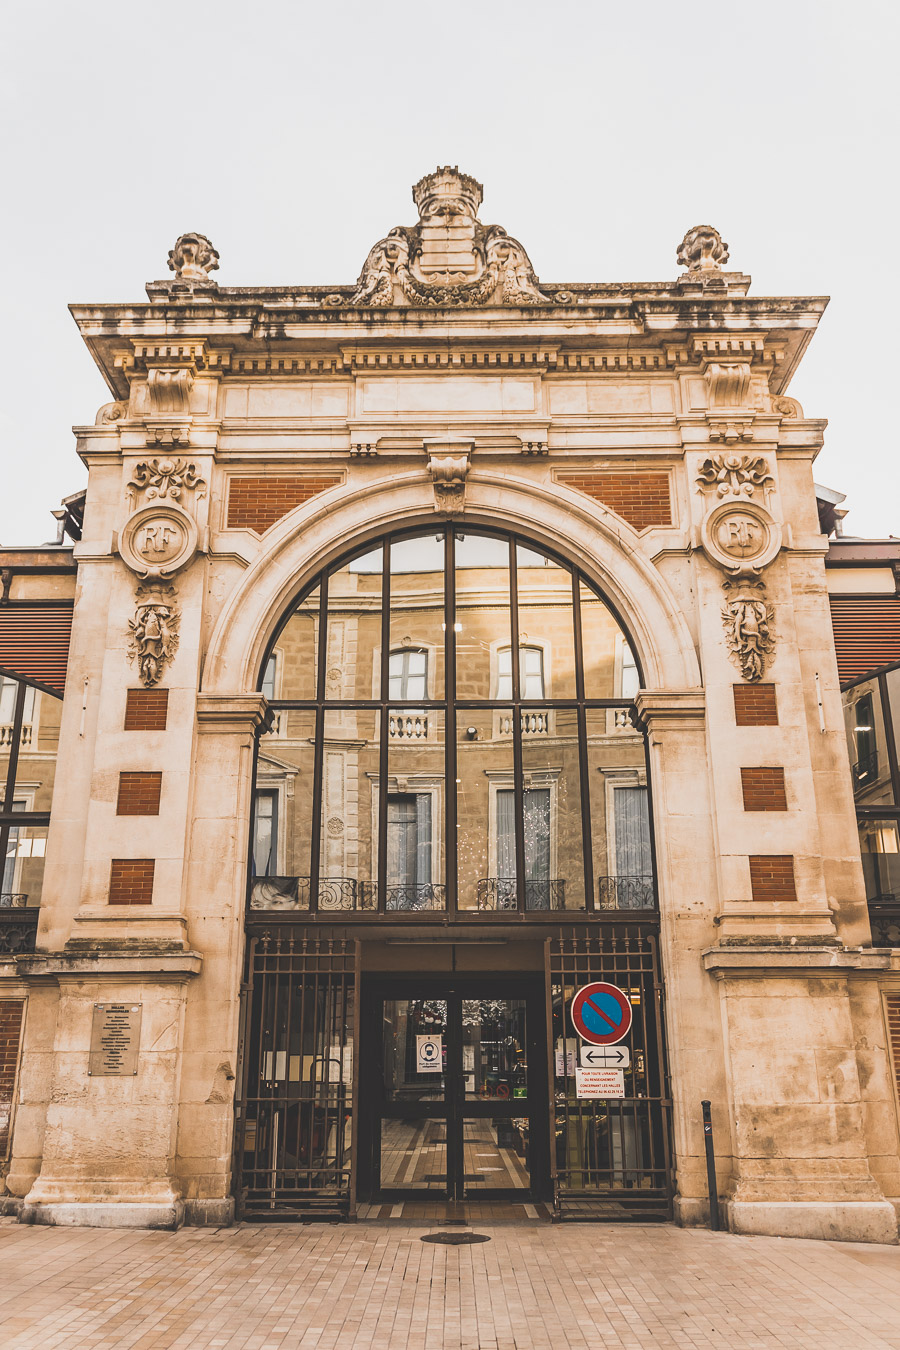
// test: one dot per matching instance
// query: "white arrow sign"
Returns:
(605, 1056)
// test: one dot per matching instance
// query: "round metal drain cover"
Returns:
(456, 1239)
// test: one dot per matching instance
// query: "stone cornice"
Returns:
(266, 333)
(235, 714)
(117, 965)
(659, 708)
(764, 959)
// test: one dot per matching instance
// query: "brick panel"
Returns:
(146, 709)
(11, 1013)
(772, 877)
(893, 1017)
(763, 789)
(131, 881)
(755, 705)
(640, 498)
(139, 794)
(257, 503)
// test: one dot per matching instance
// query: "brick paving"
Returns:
(281, 1287)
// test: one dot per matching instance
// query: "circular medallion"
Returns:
(740, 534)
(158, 540)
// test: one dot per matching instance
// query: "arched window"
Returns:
(431, 770)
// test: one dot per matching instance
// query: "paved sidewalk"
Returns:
(264, 1287)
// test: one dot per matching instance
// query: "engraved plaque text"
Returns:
(115, 1039)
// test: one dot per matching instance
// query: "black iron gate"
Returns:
(295, 1128)
(610, 1158)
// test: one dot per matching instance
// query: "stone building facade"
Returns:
(439, 645)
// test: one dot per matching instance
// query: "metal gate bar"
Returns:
(610, 1159)
(294, 1135)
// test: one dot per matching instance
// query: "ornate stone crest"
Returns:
(158, 541)
(153, 631)
(192, 258)
(749, 623)
(448, 257)
(167, 478)
(735, 475)
(740, 534)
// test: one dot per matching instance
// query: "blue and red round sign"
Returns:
(601, 1013)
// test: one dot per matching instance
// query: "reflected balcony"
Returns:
(18, 923)
(626, 893)
(501, 894)
(6, 734)
(881, 872)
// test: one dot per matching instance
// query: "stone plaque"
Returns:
(115, 1039)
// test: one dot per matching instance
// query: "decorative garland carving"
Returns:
(167, 478)
(735, 475)
(749, 622)
(154, 631)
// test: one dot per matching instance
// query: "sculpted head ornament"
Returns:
(192, 258)
(702, 250)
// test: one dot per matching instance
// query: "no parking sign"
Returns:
(601, 1013)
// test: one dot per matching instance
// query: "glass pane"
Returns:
(348, 860)
(417, 617)
(24, 848)
(292, 668)
(414, 1155)
(353, 660)
(415, 1049)
(495, 1154)
(482, 622)
(493, 1048)
(38, 745)
(867, 740)
(620, 820)
(554, 849)
(282, 815)
(546, 630)
(879, 842)
(415, 810)
(484, 772)
(602, 648)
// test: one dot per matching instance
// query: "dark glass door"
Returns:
(456, 1105)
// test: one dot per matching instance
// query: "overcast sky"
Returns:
(291, 133)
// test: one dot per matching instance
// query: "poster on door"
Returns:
(429, 1054)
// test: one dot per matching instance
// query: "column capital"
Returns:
(659, 708)
(230, 714)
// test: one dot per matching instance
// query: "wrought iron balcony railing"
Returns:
(501, 893)
(626, 893)
(884, 917)
(18, 923)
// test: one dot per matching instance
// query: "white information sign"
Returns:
(565, 1063)
(605, 1056)
(599, 1083)
(429, 1054)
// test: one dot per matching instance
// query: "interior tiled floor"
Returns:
(377, 1286)
(414, 1153)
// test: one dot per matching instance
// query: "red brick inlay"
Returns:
(12, 1011)
(131, 881)
(139, 794)
(640, 497)
(146, 709)
(257, 503)
(772, 877)
(755, 705)
(763, 789)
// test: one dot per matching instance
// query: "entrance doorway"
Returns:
(454, 1090)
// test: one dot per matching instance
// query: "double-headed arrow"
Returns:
(605, 1056)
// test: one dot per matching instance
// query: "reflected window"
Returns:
(531, 672)
(8, 691)
(268, 680)
(866, 767)
(265, 834)
(630, 681)
(408, 674)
